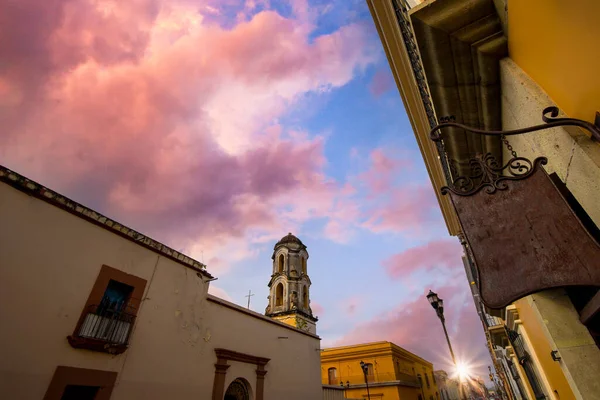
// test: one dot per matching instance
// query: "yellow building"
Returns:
(495, 65)
(393, 373)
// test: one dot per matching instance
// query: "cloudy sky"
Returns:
(218, 126)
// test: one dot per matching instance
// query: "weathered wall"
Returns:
(49, 261)
(293, 372)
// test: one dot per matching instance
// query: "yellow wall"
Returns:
(532, 324)
(556, 43)
(390, 363)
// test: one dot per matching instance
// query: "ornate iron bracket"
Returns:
(486, 172)
(550, 120)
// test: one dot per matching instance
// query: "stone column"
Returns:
(219, 381)
(260, 382)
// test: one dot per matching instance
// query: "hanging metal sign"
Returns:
(523, 234)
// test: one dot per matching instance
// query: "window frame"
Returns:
(65, 376)
(96, 295)
(334, 380)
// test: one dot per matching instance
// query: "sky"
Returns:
(218, 126)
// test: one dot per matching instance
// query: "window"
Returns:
(427, 380)
(303, 265)
(80, 392)
(70, 383)
(370, 372)
(305, 297)
(332, 375)
(279, 294)
(109, 313)
(420, 378)
(281, 263)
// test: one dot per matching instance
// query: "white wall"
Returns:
(49, 261)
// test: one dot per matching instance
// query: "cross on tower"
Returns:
(248, 296)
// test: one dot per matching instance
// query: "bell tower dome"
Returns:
(289, 287)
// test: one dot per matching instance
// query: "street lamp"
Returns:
(365, 369)
(438, 306)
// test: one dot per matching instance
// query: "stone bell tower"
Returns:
(289, 295)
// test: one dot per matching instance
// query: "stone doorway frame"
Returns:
(223, 356)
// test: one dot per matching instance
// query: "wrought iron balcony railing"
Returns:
(492, 322)
(108, 324)
(376, 378)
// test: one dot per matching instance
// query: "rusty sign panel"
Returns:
(524, 237)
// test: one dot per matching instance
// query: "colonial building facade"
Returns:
(392, 372)
(92, 309)
(495, 66)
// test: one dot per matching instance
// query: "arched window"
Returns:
(305, 297)
(279, 295)
(304, 265)
(238, 390)
(332, 374)
(281, 261)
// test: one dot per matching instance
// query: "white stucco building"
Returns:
(91, 309)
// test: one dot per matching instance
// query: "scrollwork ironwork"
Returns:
(488, 174)
(549, 116)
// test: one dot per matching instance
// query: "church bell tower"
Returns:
(289, 295)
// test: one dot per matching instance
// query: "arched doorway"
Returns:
(237, 390)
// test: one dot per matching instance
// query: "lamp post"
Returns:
(438, 306)
(365, 369)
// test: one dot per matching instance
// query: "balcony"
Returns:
(104, 327)
(378, 379)
(495, 327)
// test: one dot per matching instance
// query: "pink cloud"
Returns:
(351, 305)
(382, 82)
(412, 208)
(382, 170)
(439, 254)
(317, 308)
(415, 327)
(168, 122)
(221, 293)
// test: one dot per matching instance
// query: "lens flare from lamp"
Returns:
(463, 371)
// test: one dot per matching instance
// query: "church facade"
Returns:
(92, 309)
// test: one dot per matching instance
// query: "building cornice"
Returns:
(386, 22)
(49, 196)
(375, 349)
